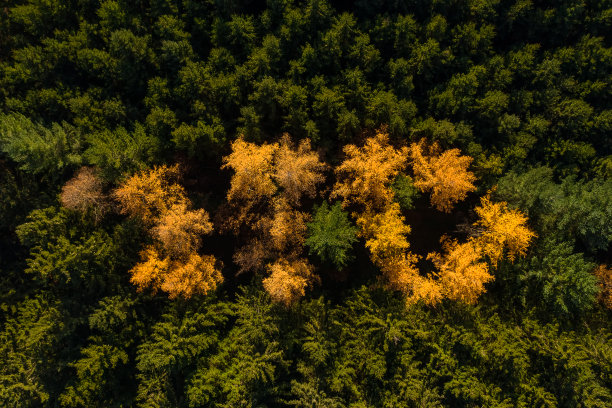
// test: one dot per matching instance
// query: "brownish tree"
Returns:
(84, 192)
(604, 276)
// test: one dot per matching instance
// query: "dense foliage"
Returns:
(307, 203)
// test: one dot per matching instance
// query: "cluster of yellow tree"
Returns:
(172, 263)
(268, 185)
(364, 183)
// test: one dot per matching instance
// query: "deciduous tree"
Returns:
(84, 192)
(500, 228)
(445, 174)
(287, 281)
(461, 271)
(149, 194)
(366, 173)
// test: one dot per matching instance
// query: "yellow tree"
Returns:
(172, 264)
(149, 194)
(288, 280)
(84, 192)
(445, 174)
(498, 228)
(366, 173)
(265, 192)
(150, 272)
(297, 171)
(461, 271)
(194, 275)
(179, 229)
(253, 169)
(384, 232)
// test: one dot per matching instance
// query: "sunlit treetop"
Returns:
(365, 175)
(253, 169)
(149, 194)
(445, 174)
(461, 271)
(385, 233)
(498, 228)
(288, 280)
(179, 230)
(297, 171)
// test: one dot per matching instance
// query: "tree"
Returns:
(172, 264)
(499, 228)
(385, 233)
(253, 168)
(149, 194)
(604, 275)
(461, 271)
(444, 173)
(179, 229)
(331, 235)
(297, 171)
(366, 173)
(120, 152)
(84, 192)
(31, 339)
(275, 177)
(38, 149)
(287, 281)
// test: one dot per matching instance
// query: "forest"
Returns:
(306, 203)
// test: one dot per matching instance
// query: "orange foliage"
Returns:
(385, 233)
(444, 174)
(461, 271)
(151, 271)
(501, 228)
(266, 188)
(604, 275)
(177, 278)
(365, 175)
(288, 280)
(149, 194)
(287, 228)
(179, 229)
(83, 192)
(253, 169)
(197, 274)
(172, 264)
(297, 171)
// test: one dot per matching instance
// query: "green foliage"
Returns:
(558, 281)
(405, 192)
(37, 149)
(249, 361)
(119, 152)
(331, 235)
(570, 210)
(31, 341)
